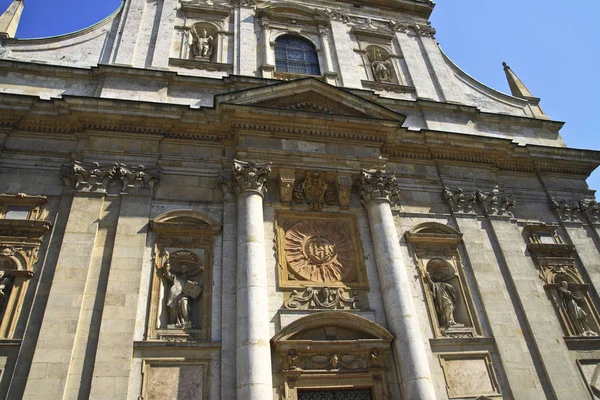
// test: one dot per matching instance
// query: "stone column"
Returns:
(330, 76)
(377, 191)
(253, 352)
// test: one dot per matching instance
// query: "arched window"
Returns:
(296, 55)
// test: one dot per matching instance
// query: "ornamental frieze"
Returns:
(458, 200)
(574, 211)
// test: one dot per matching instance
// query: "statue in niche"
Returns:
(178, 269)
(444, 294)
(202, 44)
(381, 67)
(6, 283)
(572, 305)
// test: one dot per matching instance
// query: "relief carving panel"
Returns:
(317, 250)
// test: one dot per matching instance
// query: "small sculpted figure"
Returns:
(381, 68)
(202, 45)
(572, 305)
(179, 297)
(6, 281)
(444, 298)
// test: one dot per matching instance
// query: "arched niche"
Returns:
(334, 350)
(436, 253)
(181, 291)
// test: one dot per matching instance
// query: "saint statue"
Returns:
(6, 281)
(202, 45)
(444, 299)
(181, 290)
(572, 305)
(381, 68)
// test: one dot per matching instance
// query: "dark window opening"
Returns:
(296, 55)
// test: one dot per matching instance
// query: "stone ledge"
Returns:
(462, 344)
(160, 344)
(203, 65)
(388, 87)
(582, 342)
(10, 342)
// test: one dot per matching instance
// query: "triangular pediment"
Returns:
(312, 96)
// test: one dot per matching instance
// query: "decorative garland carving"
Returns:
(323, 298)
(567, 210)
(378, 185)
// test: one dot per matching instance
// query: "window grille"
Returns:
(296, 55)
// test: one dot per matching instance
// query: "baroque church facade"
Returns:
(240, 199)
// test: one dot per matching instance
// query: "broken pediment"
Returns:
(309, 95)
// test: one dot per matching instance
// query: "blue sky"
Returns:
(552, 45)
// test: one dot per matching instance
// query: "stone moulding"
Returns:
(336, 347)
(191, 235)
(437, 257)
(20, 241)
(557, 267)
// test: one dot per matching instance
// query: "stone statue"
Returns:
(6, 281)
(444, 299)
(381, 68)
(181, 290)
(202, 45)
(572, 305)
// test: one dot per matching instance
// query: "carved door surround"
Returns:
(334, 350)
(185, 241)
(556, 263)
(22, 230)
(436, 254)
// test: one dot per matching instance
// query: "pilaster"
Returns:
(526, 288)
(378, 190)
(52, 360)
(115, 344)
(523, 376)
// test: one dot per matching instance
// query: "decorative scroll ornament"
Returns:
(243, 3)
(320, 251)
(378, 185)
(250, 176)
(458, 200)
(92, 177)
(323, 299)
(287, 178)
(496, 202)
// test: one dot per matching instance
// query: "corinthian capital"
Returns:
(378, 185)
(250, 176)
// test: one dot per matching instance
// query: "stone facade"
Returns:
(184, 215)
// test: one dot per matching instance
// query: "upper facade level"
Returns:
(381, 48)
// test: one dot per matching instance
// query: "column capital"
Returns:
(378, 185)
(96, 178)
(250, 176)
(497, 202)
